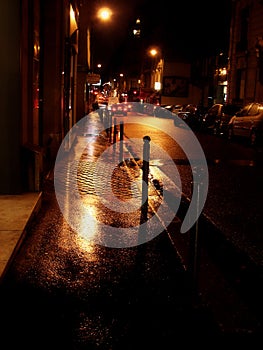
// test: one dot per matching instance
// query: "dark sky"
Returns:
(196, 24)
(184, 27)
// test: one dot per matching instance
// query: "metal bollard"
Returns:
(121, 142)
(106, 122)
(194, 245)
(145, 176)
(114, 134)
(110, 126)
(115, 131)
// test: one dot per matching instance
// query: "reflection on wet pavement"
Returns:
(98, 193)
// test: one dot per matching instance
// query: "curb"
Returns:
(34, 212)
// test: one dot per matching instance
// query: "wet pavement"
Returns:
(16, 213)
(64, 290)
(68, 293)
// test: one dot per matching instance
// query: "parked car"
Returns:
(218, 116)
(164, 111)
(247, 123)
(177, 108)
(191, 114)
(118, 108)
(225, 113)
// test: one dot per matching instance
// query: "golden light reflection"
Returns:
(82, 247)
(88, 226)
(90, 150)
(67, 197)
(87, 246)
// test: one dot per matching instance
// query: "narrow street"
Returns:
(131, 174)
(64, 289)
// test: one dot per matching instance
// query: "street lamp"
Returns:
(104, 14)
(153, 52)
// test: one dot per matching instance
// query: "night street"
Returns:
(131, 174)
(68, 291)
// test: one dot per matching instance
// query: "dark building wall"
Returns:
(83, 23)
(32, 93)
(52, 75)
(245, 52)
(10, 98)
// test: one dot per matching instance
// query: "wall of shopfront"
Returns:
(37, 107)
(10, 98)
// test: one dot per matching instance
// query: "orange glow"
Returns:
(73, 22)
(104, 13)
(153, 52)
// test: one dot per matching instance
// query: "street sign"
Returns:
(93, 78)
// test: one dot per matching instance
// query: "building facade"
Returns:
(37, 100)
(245, 70)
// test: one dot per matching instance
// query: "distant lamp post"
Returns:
(103, 14)
(156, 68)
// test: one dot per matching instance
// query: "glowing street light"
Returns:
(104, 13)
(153, 52)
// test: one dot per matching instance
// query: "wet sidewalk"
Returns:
(16, 212)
